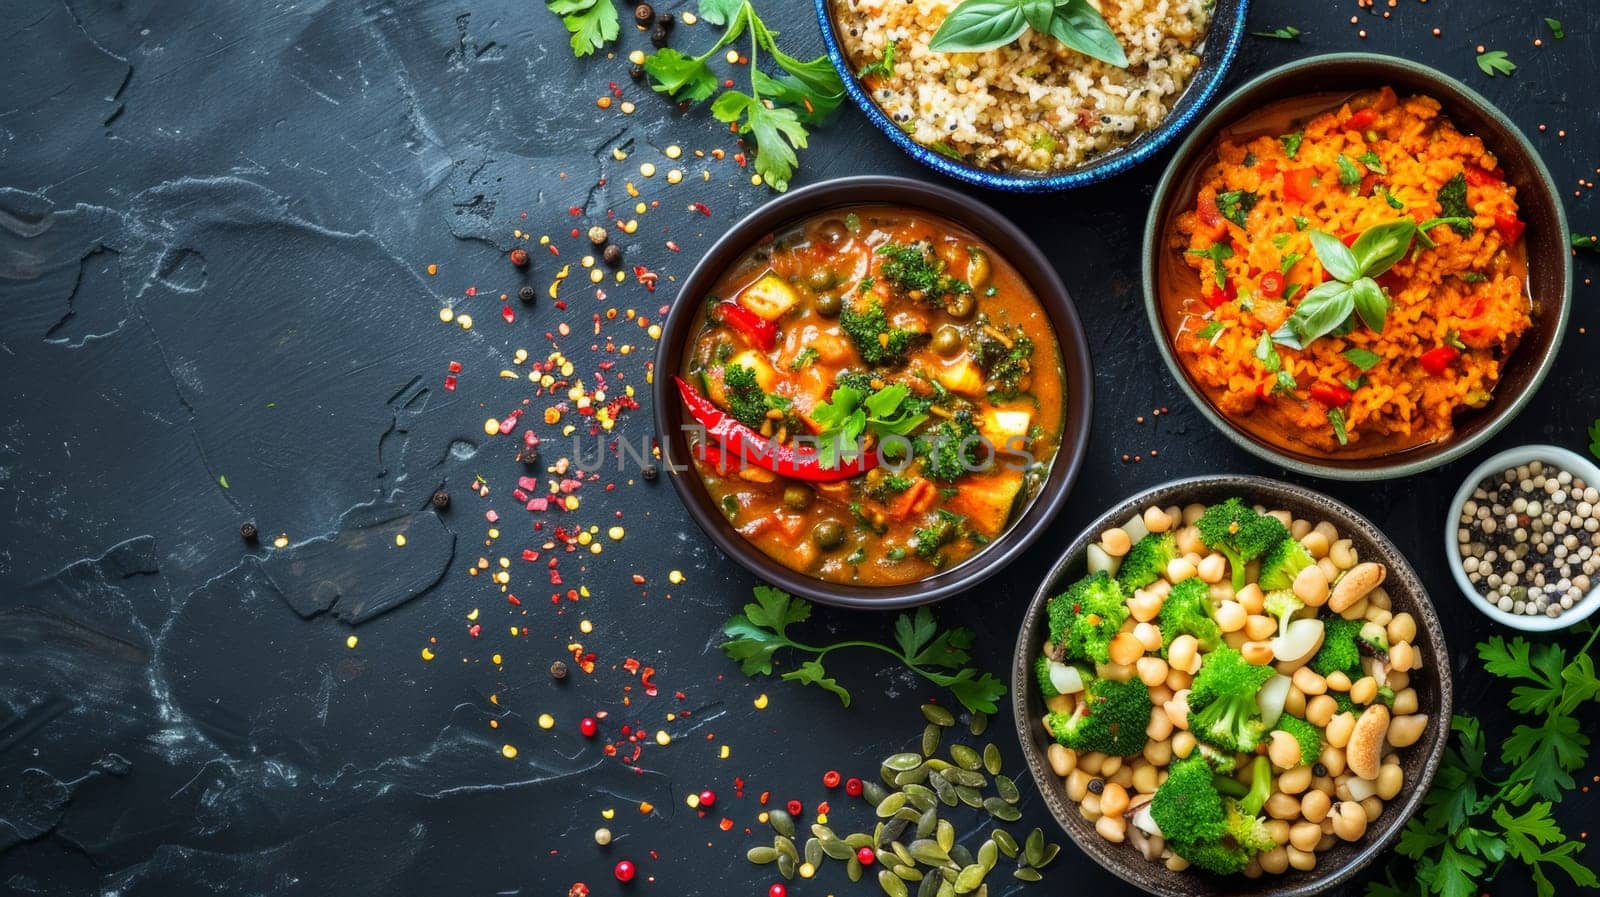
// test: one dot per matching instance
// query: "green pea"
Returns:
(821, 278)
(962, 305)
(828, 304)
(828, 535)
(797, 497)
(947, 340)
(978, 268)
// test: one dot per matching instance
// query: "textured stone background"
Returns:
(214, 224)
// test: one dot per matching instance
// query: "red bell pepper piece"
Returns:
(1437, 361)
(761, 333)
(1297, 184)
(1478, 177)
(1330, 394)
(750, 447)
(1361, 119)
(1210, 215)
(1272, 284)
(1509, 226)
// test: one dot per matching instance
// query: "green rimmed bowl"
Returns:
(1548, 242)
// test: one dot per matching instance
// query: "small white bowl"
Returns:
(1572, 462)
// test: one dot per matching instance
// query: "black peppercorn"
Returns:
(527, 455)
(666, 20)
(528, 294)
(636, 71)
(440, 500)
(248, 532)
(558, 670)
(1319, 770)
(612, 255)
(649, 472)
(643, 15)
(1096, 786)
(658, 37)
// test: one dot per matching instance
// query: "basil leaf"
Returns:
(1318, 314)
(1081, 27)
(1291, 144)
(1211, 331)
(1349, 174)
(1335, 257)
(1370, 303)
(1039, 14)
(1380, 246)
(1363, 359)
(1336, 418)
(977, 25)
(1267, 355)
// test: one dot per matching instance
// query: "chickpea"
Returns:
(1295, 781)
(1109, 766)
(1314, 805)
(1338, 681)
(1091, 762)
(1278, 830)
(1332, 760)
(1063, 760)
(1372, 807)
(1323, 784)
(1144, 605)
(1405, 702)
(1402, 657)
(1328, 531)
(1404, 731)
(1116, 541)
(1298, 528)
(1078, 784)
(1284, 517)
(1378, 615)
(1156, 520)
(1178, 680)
(1309, 682)
(1391, 778)
(1222, 591)
(1311, 586)
(1178, 709)
(1149, 636)
(1302, 860)
(1180, 569)
(1183, 745)
(1112, 828)
(1114, 799)
(1339, 729)
(1159, 753)
(1328, 569)
(1183, 654)
(1258, 653)
(1399, 681)
(1295, 704)
(1274, 861)
(1145, 778)
(1176, 863)
(1230, 616)
(1283, 806)
(1357, 611)
(1284, 752)
(1402, 628)
(1379, 598)
(1124, 777)
(1188, 540)
(1159, 728)
(1192, 513)
(1060, 704)
(1152, 671)
(1125, 649)
(1365, 690)
(1316, 543)
(1251, 869)
(1305, 835)
(1089, 807)
(1251, 598)
(1343, 554)
(1212, 568)
(1161, 694)
(1260, 627)
(1319, 710)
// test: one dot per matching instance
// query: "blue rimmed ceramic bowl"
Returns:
(1217, 52)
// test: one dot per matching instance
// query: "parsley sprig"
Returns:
(776, 111)
(939, 657)
(1594, 438)
(850, 413)
(592, 23)
(1472, 822)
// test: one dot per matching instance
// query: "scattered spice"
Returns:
(248, 532)
(558, 670)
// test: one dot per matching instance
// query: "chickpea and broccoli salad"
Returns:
(1227, 689)
(880, 394)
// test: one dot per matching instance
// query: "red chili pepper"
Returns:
(1210, 215)
(1479, 177)
(1297, 184)
(1330, 394)
(1369, 182)
(1216, 297)
(1272, 284)
(1437, 361)
(1361, 119)
(763, 334)
(1509, 226)
(749, 446)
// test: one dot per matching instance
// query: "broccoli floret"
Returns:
(1343, 703)
(1147, 560)
(1224, 694)
(1086, 617)
(915, 270)
(1005, 356)
(1282, 564)
(1187, 611)
(1282, 604)
(747, 401)
(1111, 718)
(1339, 652)
(1242, 535)
(1244, 825)
(1041, 672)
(886, 487)
(863, 320)
(931, 539)
(1220, 761)
(1309, 737)
(951, 449)
(1213, 833)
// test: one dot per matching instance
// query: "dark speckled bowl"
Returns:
(1419, 761)
(1221, 45)
(1549, 256)
(1015, 247)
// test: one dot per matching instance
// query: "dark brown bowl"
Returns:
(1420, 761)
(986, 223)
(1549, 255)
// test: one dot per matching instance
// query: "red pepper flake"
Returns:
(726, 824)
(574, 211)
(472, 291)
(763, 799)
(645, 678)
(507, 314)
(739, 157)
(475, 630)
(513, 600)
(450, 382)
(455, 367)
(672, 245)
(700, 207)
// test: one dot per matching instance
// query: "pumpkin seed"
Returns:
(902, 762)
(991, 759)
(969, 796)
(873, 793)
(786, 866)
(1050, 853)
(966, 777)
(911, 777)
(813, 851)
(937, 715)
(909, 815)
(945, 835)
(1001, 810)
(961, 856)
(836, 849)
(1007, 789)
(920, 796)
(980, 722)
(887, 775)
(930, 853)
(934, 764)
(1008, 844)
(891, 805)
(891, 884)
(969, 879)
(908, 873)
(903, 853)
(988, 855)
(929, 886)
(781, 822)
(946, 888)
(893, 829)
(930, 740)
(1033, 850)
(858, 840)
(945, 790)
(761, 856)
(854, 869)
(1025, 873)
(786, 848)
(926, 824)
(888, 860)
(965, 757)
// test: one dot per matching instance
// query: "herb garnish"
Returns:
(804, 358)
(1594, 439)
(758, 633)
(1211, 331)
(1556, 30)
(1585, 241)
(977, 25)
(1496, 62)
(884, 66)
(592, 23)
(1336, 418)
(1236, 204)
(1349, 174)
(1372, 162)
(850, 413)
(776, 111)
(1453, 203)
(1287, 32)
(1363, 359)
(1291, 143)
(1217, 253)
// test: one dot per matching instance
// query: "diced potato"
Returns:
(1002, 424)
(766, 374)
(964, 378)
(770, 297)
(986, 500)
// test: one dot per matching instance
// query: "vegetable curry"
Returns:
(877, 393)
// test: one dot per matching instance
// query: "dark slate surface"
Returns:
(214, 224)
